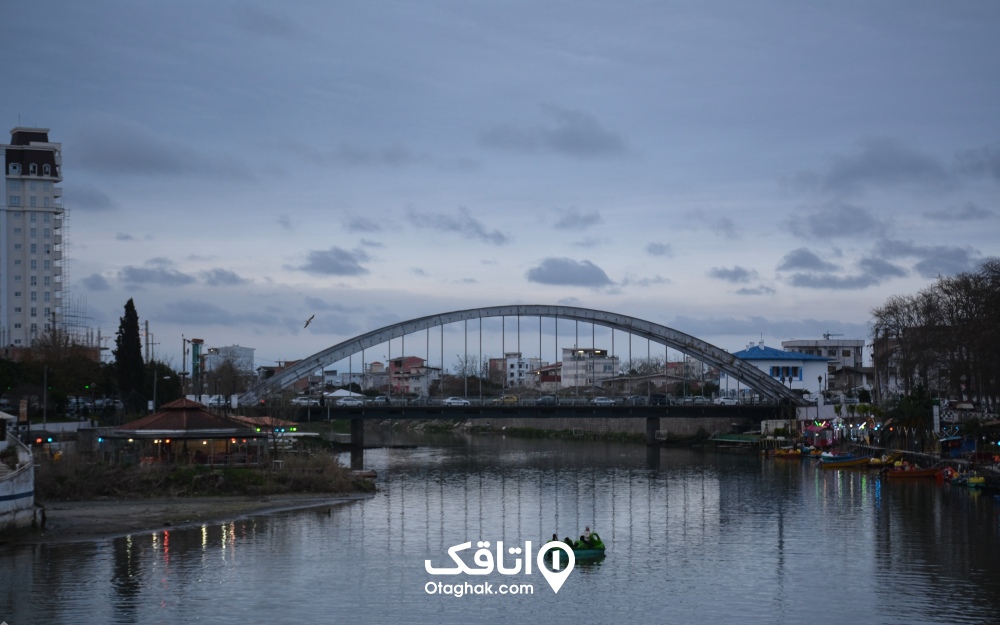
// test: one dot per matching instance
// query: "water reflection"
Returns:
(702, 538)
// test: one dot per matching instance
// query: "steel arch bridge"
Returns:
(654, 332)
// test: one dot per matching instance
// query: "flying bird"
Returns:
(308, 321)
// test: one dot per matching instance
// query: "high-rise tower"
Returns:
(31, 249)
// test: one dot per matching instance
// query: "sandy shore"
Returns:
(68, 521)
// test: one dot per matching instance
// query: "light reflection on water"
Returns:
(692, 538)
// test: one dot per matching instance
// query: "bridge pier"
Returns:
(652, 425)
(357, 444)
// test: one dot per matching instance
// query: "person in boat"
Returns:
(585, 538)
(569, 541)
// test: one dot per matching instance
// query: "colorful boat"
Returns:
(583, 552)
(847, 463)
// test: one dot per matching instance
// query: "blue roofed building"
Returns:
(794, 369)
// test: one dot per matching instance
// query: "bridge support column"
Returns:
(652, 425)
(357, 444)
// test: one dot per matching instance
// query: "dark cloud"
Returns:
(117, 147)
(984, 161)
(198, 313)
(573, 219)
(803, 259)
(565, 131)
(284, 221)
(417, 271)
(463, 223)
(827, 281)
(736, 275)
(760, 289)
(335, 261)
(568, 272)
(157, 274)
(362, 224)
(727, 228)
(970, 211)
(222, 277)
(86, 197)
(837, 219)
(260, 23)
(933, 260)
(878, 163)
(95, 282)
(659, 249)
(121, 236)
(881, 269)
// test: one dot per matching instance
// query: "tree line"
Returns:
(943, 341)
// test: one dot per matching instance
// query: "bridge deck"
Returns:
(752, 412)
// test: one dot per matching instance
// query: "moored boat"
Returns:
(864, 462)
(901, 473)
(594, 551)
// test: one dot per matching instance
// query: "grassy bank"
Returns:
(75, 479)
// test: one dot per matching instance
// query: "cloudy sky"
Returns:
(732, 169)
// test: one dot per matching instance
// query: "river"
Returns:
(692, 537)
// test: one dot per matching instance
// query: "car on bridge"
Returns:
(304, 401)
(547, 400)
(659, 399)
(602, 401)
(506, 400)
(726, 401)
(455, 401)
(381, 400)
(350, 401)
(635, 400)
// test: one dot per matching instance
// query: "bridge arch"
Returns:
(657, 333)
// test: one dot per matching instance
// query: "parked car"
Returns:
(659, 399)
(304, 401)
(455, 401)
(350, 401)
(547, 400)
(635, 400)
(381, 400)
(505, 400)
(602, 401)
(221, 401)
(420, 400)
(727, 401)
(700, 400)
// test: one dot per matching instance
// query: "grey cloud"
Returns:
(837, 219)
(356, 156)
(645, 282)
(566, 271)
(88, 197)
(261, 23)
(758, 290)
(573, 219)
(727, 227)
(567, 132)
(735, 275)
(827, 281)
(362, 224)
(417, 271)
(659, 249)
(95, 282)
(121, 236)
(370, 243)
(284, 221)
(335, 261)
(879, 163)
(193, 312)
(158, 275)
(118, 147)
(933, 260)
(222, 277)
(970, 211)
(463, 223)
(590, 242)
(980, 161)
(160, 261)
(317, 304)
(878, 268)
(803, 259)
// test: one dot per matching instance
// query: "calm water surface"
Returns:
(692, 538)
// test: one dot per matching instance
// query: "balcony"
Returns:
(57, 239)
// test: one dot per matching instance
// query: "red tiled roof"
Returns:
(263, 422)
(184, 416)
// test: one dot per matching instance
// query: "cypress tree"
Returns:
(129, 367)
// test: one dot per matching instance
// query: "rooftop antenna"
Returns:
(827, 335)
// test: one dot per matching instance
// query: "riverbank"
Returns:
(73, 521)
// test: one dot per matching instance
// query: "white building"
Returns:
(515, 369)
(586, 366)
(240, 357)
(31, 246)
(845, 360)
(794, 369)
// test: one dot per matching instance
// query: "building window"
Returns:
(47, 264)
(32, 185)
(14, 185)
(14, 169)
(34, 248)
(34, 312)
(47, 297)
(846, 353)
(32, 217)
(17, 278)
(17, 294)
(17, 246)
(16, 214)
(47, 170)
(17, 309)
(31, 201)
(34, 264)
(17, 231)
(15, 200)
(46, 232)
(48, 248)
(45, 201)
(34, 296)
(47, 218)
(34, 280)
(17, 262)
(33, 233)
(33, 169)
